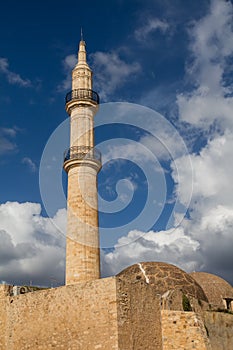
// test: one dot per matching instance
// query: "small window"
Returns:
(229, 303)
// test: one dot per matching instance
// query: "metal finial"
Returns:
(81, 34)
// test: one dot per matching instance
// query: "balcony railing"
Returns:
(82, 152)
(82, 94)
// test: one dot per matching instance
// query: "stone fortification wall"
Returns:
(81, 316)
(111, 313)
(219, 327)
(183, 330)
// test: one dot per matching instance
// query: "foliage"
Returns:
(186, 303)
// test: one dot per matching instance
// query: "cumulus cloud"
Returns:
(32, 246)
(212, 204)
(172, 246)
(202, 243)
(149, 149)
(211, 211)
(68, 64)
(30, 164)
(152, 25)
(212, 172)
(204, 240)
(210, 103)
(211, 47)
(7, 143)
(111, 71)
(12, 78)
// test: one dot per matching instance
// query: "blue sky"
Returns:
(164, 74)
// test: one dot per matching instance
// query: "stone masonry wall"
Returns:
(112, 313)
(183, 330)
(220, 330)
(82, 245)
(139, 316)
(76, 317)
(3, 315)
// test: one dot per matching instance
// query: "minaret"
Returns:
(82, 163)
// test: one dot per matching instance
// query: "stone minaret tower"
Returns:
(82, 163)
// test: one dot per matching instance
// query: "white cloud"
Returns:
(211, 211)
(172, 246)
(212, 172)
(148, 150)
(211, 47)
(32, 246)
(152, 25)
(7, 143)
(129, 150)
(203, 243)
(31, 165)
(68, 63)
(205, 240)
(12, 78)
(166, 146)
(111, 71)
(9, 131)
(212, 226)
(202, 111)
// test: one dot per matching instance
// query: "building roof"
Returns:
(215, 287)
(164, 277)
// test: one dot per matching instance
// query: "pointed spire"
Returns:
(82, 73)
(82, 55)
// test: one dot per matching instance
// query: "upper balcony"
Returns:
(82, 96)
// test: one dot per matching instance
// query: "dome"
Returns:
(215, 287)
(164, 277)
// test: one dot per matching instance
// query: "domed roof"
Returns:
(164, 277)
(215, 287)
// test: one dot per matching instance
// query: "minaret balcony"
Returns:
(81, 97)
(82, 155)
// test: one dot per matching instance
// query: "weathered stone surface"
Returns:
(183, 331)
(119, 313)
(215, 288)
(82, 253)
(219, 327)
(139, 319)
(78, 317)
(165, 279)
(82, 243)
(4, 292)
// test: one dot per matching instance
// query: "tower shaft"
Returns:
(82, 163)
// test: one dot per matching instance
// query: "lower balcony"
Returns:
(81, 155)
